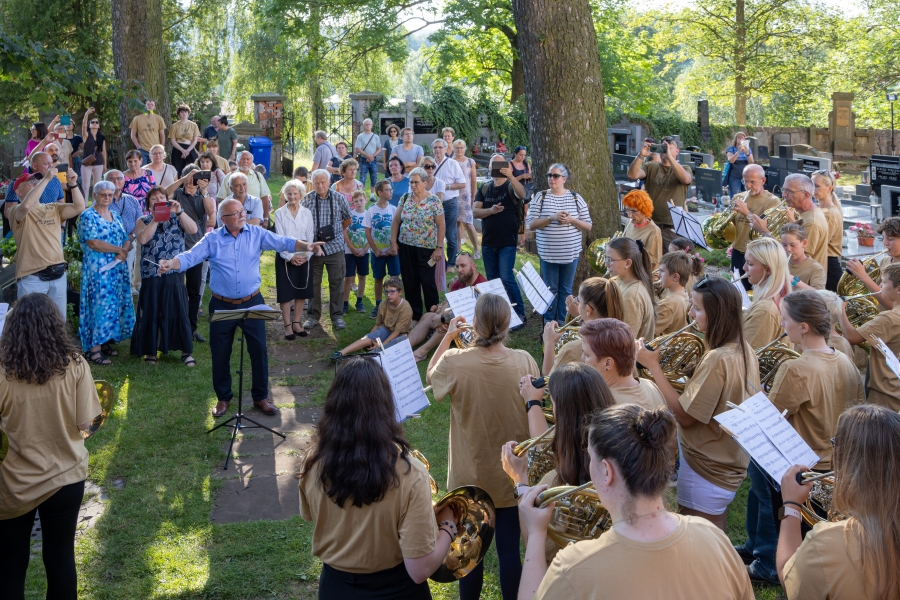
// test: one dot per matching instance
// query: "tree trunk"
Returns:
(518, 78)
(566, 108)
(740, 64)
(139, 55)
(314, 82)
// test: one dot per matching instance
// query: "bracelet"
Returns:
(178, 214)
(71, 187)
(798, 505)
(795, 281)
(452, 539)
(453, 530)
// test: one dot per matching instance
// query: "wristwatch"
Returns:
(795, 281)
(531, 403)
(786, 511)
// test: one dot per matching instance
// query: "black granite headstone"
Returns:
(709, 184)
(621, 162)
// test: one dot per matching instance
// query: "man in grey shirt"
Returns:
(411, 154)
(325, 151)
(367, 148)
(448, 170)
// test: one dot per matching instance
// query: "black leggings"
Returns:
(506, 538)
(834, 273)
(59, 515)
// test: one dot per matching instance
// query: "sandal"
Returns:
(188, 360)
(150, 360)
(302, 332)
(97, 358)
(108, 349)
(289, 336)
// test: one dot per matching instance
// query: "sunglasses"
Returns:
(464, 253)
(343, 358)
(429, 167)
(554, 175)
(95, 122)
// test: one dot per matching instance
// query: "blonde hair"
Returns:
(734, 139)
(831, 181)
(492, 315)
(347, 164)
(161, 147)
(358, 194)
(834, 304)
(770, 254)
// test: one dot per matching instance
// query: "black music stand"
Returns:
(242, 315)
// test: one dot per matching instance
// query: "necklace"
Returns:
(631, 520)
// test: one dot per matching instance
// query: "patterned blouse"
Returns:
(417, 221)
(139, 186)
(166, 243)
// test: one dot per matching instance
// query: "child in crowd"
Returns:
(356, 251)
(377, 224)
(394, 319)
(801, 264)
(685, 245)
(890, 237)
(671, 311)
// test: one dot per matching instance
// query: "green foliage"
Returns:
(450, 107)
(453, 107)
(663, 123)
(715, 258)
(8, 248)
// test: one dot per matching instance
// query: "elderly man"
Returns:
(233, 252)
(797, 192)
(129, 208)
(256, 184)
(40, 168)
(448, 170)
(147, 130)
(40, 265)
(368, 147)
(664, 181)
(325, 151)
(331, 215)
(210, 132)
(237, 183)
(755, 201)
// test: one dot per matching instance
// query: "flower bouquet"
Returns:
(865, 235)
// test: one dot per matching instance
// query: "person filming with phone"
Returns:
(665, 181)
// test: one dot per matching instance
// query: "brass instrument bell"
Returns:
(850, 285)
(679, 355)
(596, 253)
(771, 357)
(107, 396)
(577, 516)
(718, 229)
(466, 337)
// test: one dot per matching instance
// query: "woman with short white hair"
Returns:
(292, 274)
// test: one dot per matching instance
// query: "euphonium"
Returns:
(771, 357)
(540, 460)
(596, 253)
(679, 355)
(775, 219)
(718, 228)
(819, 500)
(577, 516)
(850, 285)
(569, 334)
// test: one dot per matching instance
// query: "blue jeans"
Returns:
(451, 212)
(559, 278)
(146, 155)
(499, 262)
(735, 186)
(372, 169)
(56, 290)
(761, 528)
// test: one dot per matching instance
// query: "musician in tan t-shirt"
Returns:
(767, 271)
(713, 465)
(629, 266)
(148, 130)
(835, 305)
(639, 208)
(649, 552)
(378, 524)
(486, 411)
(854, 558)
(671, 311)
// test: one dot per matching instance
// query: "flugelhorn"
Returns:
(771, 357)
(540, 460)
(679, 355)
(577, 516)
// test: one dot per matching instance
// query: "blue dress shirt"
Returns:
(52, 193)
(234, 261)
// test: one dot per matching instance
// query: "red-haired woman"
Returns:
(639, 208)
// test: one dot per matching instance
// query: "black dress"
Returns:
(292, 282)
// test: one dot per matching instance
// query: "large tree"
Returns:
(566, 107)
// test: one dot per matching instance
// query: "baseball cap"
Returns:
(22, 178)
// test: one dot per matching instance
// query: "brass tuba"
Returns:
(569, 334)
(540, 460)
(775, 219)
(771, 357)
(577, 516)
(679, 355)
(596, 253)
(819, 500)
(850, 285)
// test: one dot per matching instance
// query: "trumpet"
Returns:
(680, 353)
(577, 516)
(569, 334)
(540, 460)
(771, 357)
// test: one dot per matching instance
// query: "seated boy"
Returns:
(394, 319)
(671, 311)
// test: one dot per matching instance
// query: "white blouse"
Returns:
(299, 227)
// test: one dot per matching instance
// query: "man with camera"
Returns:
(665, 181)
(331, 215)
(40, 265)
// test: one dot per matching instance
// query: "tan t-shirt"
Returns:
(650, 236)
(825, 566)
(835, 220)
(718, 379)
(662, 185)
(638, 309)
(366, 539)
(696, 561)
(762, 323)
(148, 128)
(184, 133)
(859, 356)
(646, 394)
(817, 234)
(395, 319)
(815, 389)
(810, 272)
(757, 205)
(884, 387)
(569, 353)
(37, 237)
(486, 411)
(671, 312)
(46, 450)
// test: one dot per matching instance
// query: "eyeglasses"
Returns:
(391, 292)
(631, 211)
(787, 191)
(751, 181)
(610, 261)
(429, 167)
(343, 358)
(235, 214)
(554, 175)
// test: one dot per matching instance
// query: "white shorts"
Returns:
(697, 493)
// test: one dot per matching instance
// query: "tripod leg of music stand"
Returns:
(234, 433)
(223, 424)
(246, 418)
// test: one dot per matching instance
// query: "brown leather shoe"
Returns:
(266, 406)
(221, 408)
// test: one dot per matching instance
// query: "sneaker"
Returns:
(746, 555)
(346, 308)
(374, 313)
(477, 256)
(359, 305)
(339, 323)
(757, 577)
(310, 323)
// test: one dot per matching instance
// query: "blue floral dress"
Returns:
(107, 311)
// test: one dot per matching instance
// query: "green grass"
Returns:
(155, 539)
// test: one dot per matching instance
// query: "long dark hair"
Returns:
(578, 391)
(627, 248)
(358, 439)
(724, 315)
(40, 129)
(35, 346)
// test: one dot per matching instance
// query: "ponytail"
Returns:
(640, 262)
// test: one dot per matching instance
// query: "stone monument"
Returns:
(842, 124)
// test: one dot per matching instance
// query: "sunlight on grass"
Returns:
(180, 562)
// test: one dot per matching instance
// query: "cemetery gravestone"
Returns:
(709, 184)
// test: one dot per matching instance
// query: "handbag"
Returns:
(53, 272)
(89, 161)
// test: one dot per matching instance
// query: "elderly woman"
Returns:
(293, 283)
(138, 180)
(417, 235)
(163, 174)
(93, 163)
(184, 135)
(107, 313)
(162, 321)
(559, 219)
(47, 398)
(399, 180)
(465, 220)
(739, 156)
(390, 143)
(639, 208)
(347, 184)
(433, 185)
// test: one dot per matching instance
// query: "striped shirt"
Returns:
(559, 244)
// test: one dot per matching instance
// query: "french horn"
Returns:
(540, 460)
(718, 228)
(679, 355)
(819, 501)
(771, 357)
(775, 218)
(569, 334)
(577, 516)
(466, 337)
(596, 253)
(861, 308)
(851, 285)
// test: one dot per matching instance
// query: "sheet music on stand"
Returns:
(495, 286)
(739, 285)
(462, 302)
(534, 287)
(766, 436)
(890, 358)
(260, 311)
(406, 384)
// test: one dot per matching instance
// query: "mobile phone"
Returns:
(198, 175)
(161, 212)
(61, 171)
(65, 120)
(496, 166)
(431, 262)
(658, 148)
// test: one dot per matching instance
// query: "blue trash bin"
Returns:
(261, 149)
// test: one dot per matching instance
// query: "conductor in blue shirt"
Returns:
(233, 251)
